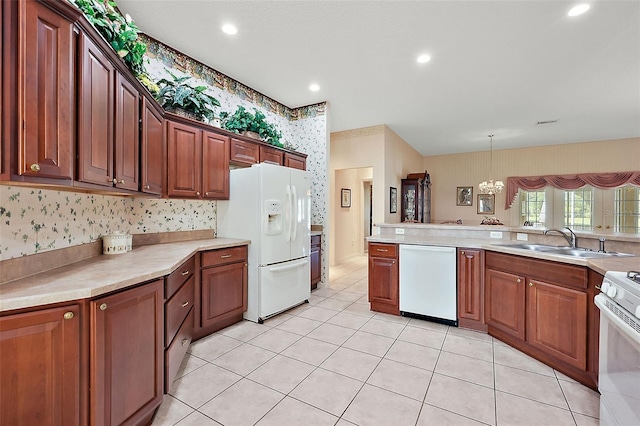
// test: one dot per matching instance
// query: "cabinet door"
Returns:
(126, 351)
(557, 322)
(242, 152)
(316, 261)
(224, 292)
(184, 173)
(48, 99)
(215, 166)
(152, 150)
(383, 285)
(40, 374)
(127, 135)
(271, 155)
(295, 161)
(470, 289)
(95, 115)
(504, 307)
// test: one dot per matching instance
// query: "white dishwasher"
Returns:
(428, 287)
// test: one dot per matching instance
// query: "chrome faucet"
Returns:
(571, 237)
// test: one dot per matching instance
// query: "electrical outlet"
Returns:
(495, 234)
(522, 237)
(399, 231)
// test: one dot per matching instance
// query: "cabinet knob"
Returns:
(68, 315)
(113, 181)
(206, 194)
(598, 226)
(35, 167)
(147, 187)
(185, 304)
(121, 181)
(518, 280)
(530, 284)
(103, 306)
(185, 273)
(462, 252)
(198, 193)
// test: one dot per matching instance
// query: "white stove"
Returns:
(619, 366)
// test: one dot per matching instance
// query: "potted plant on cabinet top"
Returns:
(183, 99)
(244, 122)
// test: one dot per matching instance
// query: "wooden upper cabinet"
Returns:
(184, 165)
(215, 166)
(153, 150)
(295, 161)
(126, 355)
(47, 97)
(127, 134)
(95, 115)
(244, 153)
(271, 155)
(40, 374)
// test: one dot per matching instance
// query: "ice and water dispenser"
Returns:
(274, 217)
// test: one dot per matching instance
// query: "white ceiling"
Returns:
(497, 67)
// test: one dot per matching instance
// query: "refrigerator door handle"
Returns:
(294, 216)
(290, 266)
(287, 214)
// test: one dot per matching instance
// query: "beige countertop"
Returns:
(600, 265)
(103, 274)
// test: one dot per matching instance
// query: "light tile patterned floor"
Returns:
(334, 362)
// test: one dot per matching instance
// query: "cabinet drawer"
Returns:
(175, 280)
(270, 155)
(177, 308)
(223, 256)
(315, 241)
(383, 250)
(174, 354)
(244, 152)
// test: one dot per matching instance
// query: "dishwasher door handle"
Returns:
(429, 249)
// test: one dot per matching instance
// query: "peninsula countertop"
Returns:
(105, 273)
(600, 265)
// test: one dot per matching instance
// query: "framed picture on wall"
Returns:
(393, 200)
(486, 204)
(464, 196)
(345, 197)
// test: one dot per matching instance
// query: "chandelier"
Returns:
(491, 186)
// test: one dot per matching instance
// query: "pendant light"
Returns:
(491, 186)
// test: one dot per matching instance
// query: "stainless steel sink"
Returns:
(565, 251)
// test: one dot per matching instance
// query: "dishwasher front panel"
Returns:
(428, 284)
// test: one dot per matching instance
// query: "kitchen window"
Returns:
(584, 209)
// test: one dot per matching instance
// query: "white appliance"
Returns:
(428, 286)
(619, 365)
(271, 206)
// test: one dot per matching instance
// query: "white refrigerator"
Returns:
(271, 206)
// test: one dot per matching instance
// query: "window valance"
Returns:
(597, 180)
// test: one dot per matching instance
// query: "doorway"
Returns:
(367, 212)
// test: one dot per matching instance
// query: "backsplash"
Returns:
(34, 220)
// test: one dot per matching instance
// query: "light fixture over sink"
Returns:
(491, 186)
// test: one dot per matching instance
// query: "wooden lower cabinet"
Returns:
(542, 308)
(471, 289)
(40, 363)
(221, 294)
(316, 260)
(126, 355)
(384, 290)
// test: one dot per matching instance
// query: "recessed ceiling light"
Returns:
(423, 59)
(314, 87)
(229, 29)
(578, 10)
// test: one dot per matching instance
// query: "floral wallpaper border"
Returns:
(174, 59)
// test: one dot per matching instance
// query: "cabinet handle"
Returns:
(68, 315)
(103, 306)
(121, 181)
(225, 256)
(35, 167)
(185, 304)
(530, 284)
(185, 341)
(384, 250)
(598, 226)
(518, 280)
(185, 273)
